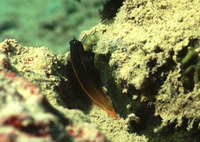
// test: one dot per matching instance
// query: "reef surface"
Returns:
(148, 60)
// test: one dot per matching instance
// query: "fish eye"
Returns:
(75, 42)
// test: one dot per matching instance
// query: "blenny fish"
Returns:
(84, 70)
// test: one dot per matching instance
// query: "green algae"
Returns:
(190, 65)
(90, 41)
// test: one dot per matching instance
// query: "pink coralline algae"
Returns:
(26, 114)
(81, 134)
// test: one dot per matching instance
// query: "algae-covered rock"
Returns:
(148, 59)
(26, 114)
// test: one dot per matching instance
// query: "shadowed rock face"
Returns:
(110, 9)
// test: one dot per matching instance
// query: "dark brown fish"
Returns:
(82, 65)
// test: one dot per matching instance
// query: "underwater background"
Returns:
(51, 23)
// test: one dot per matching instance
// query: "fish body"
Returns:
(85, 73)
